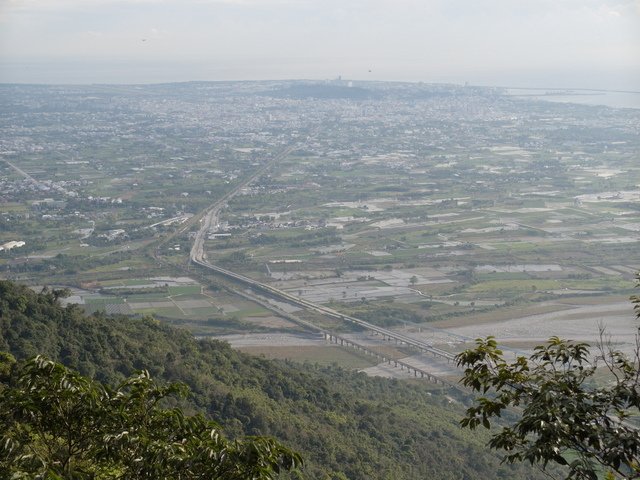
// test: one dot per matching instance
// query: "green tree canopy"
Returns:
(566, 415)
(346, 424)
(55, 423)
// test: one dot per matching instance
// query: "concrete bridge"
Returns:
(417, 371)
(281, 295)
(209, 218)
(345, 342)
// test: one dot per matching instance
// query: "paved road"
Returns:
(209, 219)
(38, 184)
(282, 295)
(23, 173)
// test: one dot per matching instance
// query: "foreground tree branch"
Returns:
(54, 424)
(565, 416)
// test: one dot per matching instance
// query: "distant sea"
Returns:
(615, 99)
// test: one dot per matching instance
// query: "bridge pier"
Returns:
(382, 358)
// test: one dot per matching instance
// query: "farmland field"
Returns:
(445, 212)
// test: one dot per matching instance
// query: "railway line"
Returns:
(209, 219)
(329, 312)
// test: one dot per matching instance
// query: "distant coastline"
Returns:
(609, 98)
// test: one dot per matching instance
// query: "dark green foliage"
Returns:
(69, 264)
(566, 418)
(327, 236)
(385, 315)
(125, 292)
(55, 423)
(342, 423)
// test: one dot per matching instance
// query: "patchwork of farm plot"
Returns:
(424, 206)
(179, 300)
(401, 254)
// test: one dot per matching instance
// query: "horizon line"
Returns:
(267, 80)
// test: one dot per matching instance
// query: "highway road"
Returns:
(209, 221)
(25, 174)
(300, 302)
(38, 184)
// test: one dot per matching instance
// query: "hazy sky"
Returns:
(580, 43)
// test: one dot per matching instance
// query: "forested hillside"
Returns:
(345, 424)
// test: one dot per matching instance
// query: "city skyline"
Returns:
(592, 44)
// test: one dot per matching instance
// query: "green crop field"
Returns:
(434, 205)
